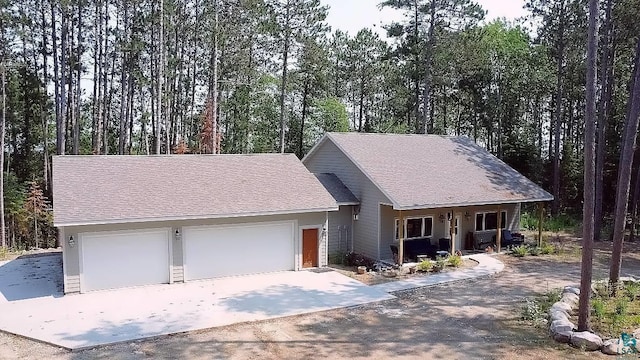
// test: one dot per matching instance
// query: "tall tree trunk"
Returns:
(427, 111)
(624, 170)
(78, 64)
(97, 58)
(3, 71)
(160, 79)
(584, 309)
(305, 96)
(283, 84)
(606, 74)
(555, 208)
(43, 101)
(62, 121)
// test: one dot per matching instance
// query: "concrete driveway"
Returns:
(32, 305)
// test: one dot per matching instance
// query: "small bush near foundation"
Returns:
(355, 259)
(547, 248)
(455, 260)
(425, 265)
(338, 258)
(520, 250)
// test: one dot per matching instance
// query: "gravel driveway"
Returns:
(472, 319)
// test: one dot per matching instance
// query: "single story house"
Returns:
(137, 220)
(438, 187)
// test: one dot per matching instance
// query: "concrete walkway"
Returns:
(487, 265)
(31, 306)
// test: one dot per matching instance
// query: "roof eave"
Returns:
(187, 218)
(465, 204)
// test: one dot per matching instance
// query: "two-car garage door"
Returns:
(123, 259)
(211, 252)
(120, 259)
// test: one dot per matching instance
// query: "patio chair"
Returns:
(509, 239)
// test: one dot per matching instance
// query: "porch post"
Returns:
(452, 232)
(400, 238)
(540, 217)
(499, 230)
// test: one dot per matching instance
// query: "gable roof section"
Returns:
(119, 188)
(337, 189)
(430, 171)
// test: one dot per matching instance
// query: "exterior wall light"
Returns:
(178, 235)
(441, 217)
(467, 216)
(72, 243)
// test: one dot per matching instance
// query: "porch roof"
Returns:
(431, 171)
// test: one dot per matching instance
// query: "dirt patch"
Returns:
(373, 277)
(474, 319)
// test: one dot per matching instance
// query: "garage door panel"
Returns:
(115, 260)
(212, 252)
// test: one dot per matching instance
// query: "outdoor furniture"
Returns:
(510, 239)
(444, 244)
(415, 247)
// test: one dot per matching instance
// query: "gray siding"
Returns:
(327, 158)
(340, 231)
(71, 255)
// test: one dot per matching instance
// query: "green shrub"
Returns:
(520, 250)
(455, 260)
(632, 290)
(536, 309)
(440, 263)
(547, 248)
(621, 307)
(338, 258)
(355, 259)
(535, 251)
(425, 265)
(598, 309)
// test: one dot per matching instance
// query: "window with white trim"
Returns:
(416, 227)
(486, 221)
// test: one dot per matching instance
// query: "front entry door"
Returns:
(456, 232)
(309, 248)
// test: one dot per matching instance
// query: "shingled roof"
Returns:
(428, 171)
(115, 189)
(337, 189)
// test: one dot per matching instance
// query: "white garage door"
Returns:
(114, 260)
(237, 250)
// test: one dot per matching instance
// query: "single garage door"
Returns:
(211, 252)
(122, 259)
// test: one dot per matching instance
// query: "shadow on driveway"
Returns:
(31, 276)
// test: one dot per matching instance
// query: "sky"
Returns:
(353, 15)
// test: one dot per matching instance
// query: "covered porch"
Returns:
(446, 230)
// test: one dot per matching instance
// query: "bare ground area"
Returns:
(475, 319)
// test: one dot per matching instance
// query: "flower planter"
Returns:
(362, 270)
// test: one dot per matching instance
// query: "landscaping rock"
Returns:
(586, 340)
(563, 337)
(561, 326)
(627, 279)
(558, 315)
(572, 290)
(570, 298)
(561, 306)
(636, 333)
(615, 347)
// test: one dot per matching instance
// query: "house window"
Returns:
(489, 221)
(416, 227)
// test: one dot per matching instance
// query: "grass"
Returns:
(425, 265)
(613, 315)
